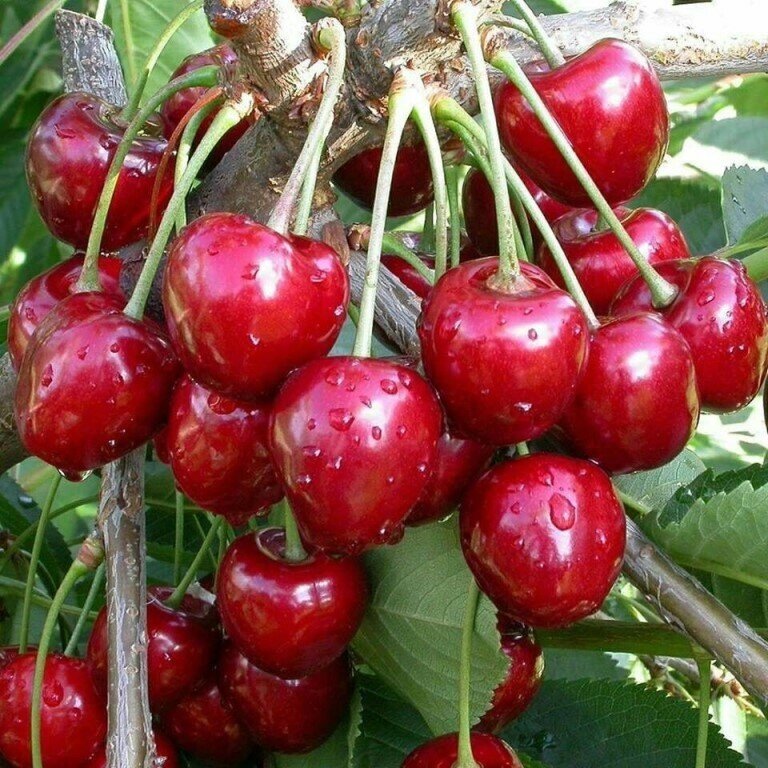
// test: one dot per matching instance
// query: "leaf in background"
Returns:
(718, 144)
(745, 192)
(746, 602)
(560, 664)
(14, 196)
(333, 754)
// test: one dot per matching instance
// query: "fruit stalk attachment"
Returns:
(466, 758)
(551, 52)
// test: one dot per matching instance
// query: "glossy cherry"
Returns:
(290, 716)
(73, 713)
(94, 384)
(442, 752)
(69, 152)
(9, 652)
(600, 262)
(721, 314)
(290, 618)
(43, 292)
(354, 441)
(166, 755)
(181, 651)
(412, 188)
(505, 364)
(217, 449)
(407, 275)
(637, 405)
(610, 104)
(544, 536)
(245, 305)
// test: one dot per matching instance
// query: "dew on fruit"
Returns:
(515, 508)
(53, 694)
(47, 378)
(562, 512)
(422, 468)
(527, 311)
(401, 430)
(250, 271)
(255, 340)
(73, 476)
(523, 407)
(118, 379)
(337, 462)
(334, 377)
(108, 142)
(532, 334)
(64, 133)
(311, 424)
(30, 315)
(318, 277)
(389, 386)
(311, 451)
(405, 379)
(213, 250)
(376, 433)
(366, 401)
(705, 298)
(340, 419)
(114, 347)
(339, 311)
(391, 480)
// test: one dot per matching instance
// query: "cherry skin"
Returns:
(443, 752)
(43, 292)
(354, 441)
(204, 725)
(73, 714)
(610, 104)
(9, 652)
(600, 262)
(505, 364)
(407, 275)
(182, 646)
(290, 618)
(94, 384)
(245, 305)
(637, 405)
(291, 716)
(544, 536)
(69, 152)
(166, 756)
(217, 449)
(720, 313)
(411, 191)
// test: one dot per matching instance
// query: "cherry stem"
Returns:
(132, 108)
(34, 561)
(551, 52)
(502, 20)
(465, 757)
(178, 537)
(101, 10)
(85, 613)
(230, 114)
(464, 16)
(523, 449)
(662, 292)
(705, 675)
(294, 549)
(452, 180)
(428, 231)
(330, 35)
(601, 225)
(391, 243)
(756, 265)
(25, 31)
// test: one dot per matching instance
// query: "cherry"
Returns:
(411, 190)
(94, 384)
(636, 406)
(9, 652)
(181, 650)
(609, 103)
(290, 716)
(443, 752)
(245, 305)
(69, 152)
(354, 441)
(166, 756)
(217, 449)
(204, 725)
(289, 618)
(505, 364)
(600, 262)
(721, 314)
(73, 714)
(544, 536)
(43, 292)
(407, 275)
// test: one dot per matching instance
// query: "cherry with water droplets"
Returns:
(442, 752)
(165, 754)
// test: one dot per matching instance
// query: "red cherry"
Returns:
(9, 652)
(407, 275)
(69, 152)
(505, 364)
(411, 190)
(181, 651)
(610, 104)
(636, 406)
(245, 305)
(442, 752)
(354, 441)
(600, 262)
(204, 725)
(289, 618)
(166, 756)
(544, 536)
(721, 314)
(94, 384)
(291, 716)
(73, 714)
(218, 452)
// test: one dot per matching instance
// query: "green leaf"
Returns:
(334, 753)
(14, 196)
(719, 144)
(745, 191)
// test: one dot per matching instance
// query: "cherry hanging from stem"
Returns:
(551, 52)
(466, 758)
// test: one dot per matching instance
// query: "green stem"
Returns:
(130, 46)
(101, 10)
(85, 613)
(202, 533)
(391, 243)
(454, 208)
(719, 569)
(16, 588)
(632, 503)
(705, 675)
(501, 20)
(756, 265)
(307, 196)
(174, 601)
(523, 449)
(523, 222)
(178, 539)
(294, 549)
(230, 114)
(428, 231)
(19, 37)
(465, 757)
(551, 52)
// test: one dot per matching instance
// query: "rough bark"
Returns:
(11, 449)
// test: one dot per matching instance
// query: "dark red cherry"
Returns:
(9, 652)
(217, 449)
(166, 756)
(73, 714)
(407, 275)
(204, 725)
(636, 405)
(412, 188)
(289, 618)
(43, 292)
(245, 305)
(721, 314)
(354, 441)
(505, 364)
(544, 536)
(69, 152)
(610, 104)
(600, 262)
(181, 651)
(290, 716)
(442, 752)
(94, 383)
